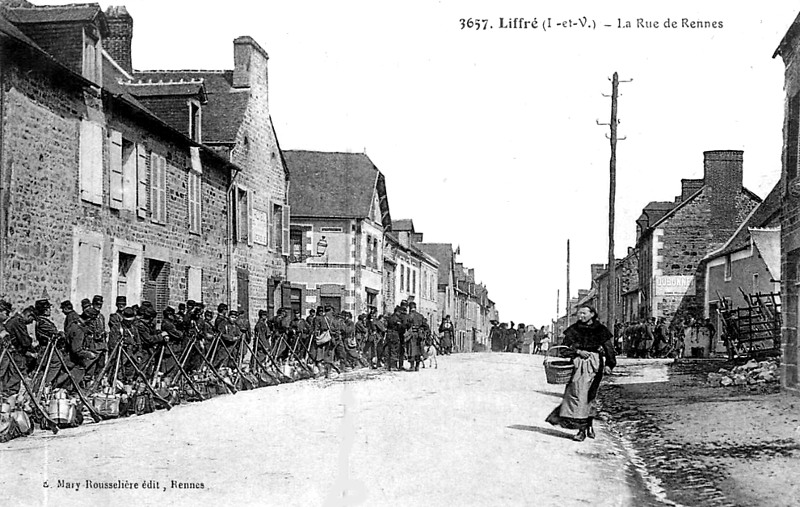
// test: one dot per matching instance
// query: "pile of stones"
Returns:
(750, 373)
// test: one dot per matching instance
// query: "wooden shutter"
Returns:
(194, 204)
(141, 180)
(158, 186)
(194, 283)
(270, 225)
(249, 218)
(116, 183)
(87, 277)
(285, 243)
(91, 162)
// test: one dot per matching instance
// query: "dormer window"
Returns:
(92, 56)
(194, 121)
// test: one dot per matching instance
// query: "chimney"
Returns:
(689, 187)
(597, 270)
(118, 42)
(249, 63)
(723, 180)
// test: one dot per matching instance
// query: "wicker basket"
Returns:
(558, 370)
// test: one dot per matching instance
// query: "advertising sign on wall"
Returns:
(677, 285)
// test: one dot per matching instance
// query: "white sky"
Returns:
(488, 139)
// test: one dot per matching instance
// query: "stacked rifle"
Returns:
(134, 381)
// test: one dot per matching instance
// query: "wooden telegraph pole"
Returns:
(611, 296)
(567, 306)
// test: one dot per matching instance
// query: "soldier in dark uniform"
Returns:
(403, 352)
(5, 342)
(379, 337)
(47, 333)
(21, 349)
(418, 331)
(349, 340)
(115, 322)
(149, 337)
(80, 343)
(324, 322)
(130, 342)
(70, 315)
(302, 333)
(174, 337)
(395, 330)
(262, 337)
(180, 315)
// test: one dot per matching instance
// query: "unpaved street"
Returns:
(471, 432)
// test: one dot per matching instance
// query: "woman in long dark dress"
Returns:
(592, 345)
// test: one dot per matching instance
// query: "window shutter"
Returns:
(91, 161)
(191, 182)
(236, 229)
(249, 219)
(116, 183)
(158, 184)
(141, 180)
(285, 243)
(198, 202)
(155, 180)
(270, 225)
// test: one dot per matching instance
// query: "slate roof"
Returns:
(224, 112)
(9, 29)
(181, 87)
(766, 214)
(54, 13)
(404, 224)
(442, 252)
(331, 184)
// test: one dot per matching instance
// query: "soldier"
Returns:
(379, 337)
(403, 340)
(324, 322)
(180, 316)
(349, 340)
(395, 329)
(302, 333)
(223, 324)
(419, 330)
(130, 342)
(172, 336)
(262, 336)
(20, 350)
(115, 322)
(70, 315)
(5, 342)
(47, 334)
(80, 344)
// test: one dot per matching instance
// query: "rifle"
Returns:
(31, 395)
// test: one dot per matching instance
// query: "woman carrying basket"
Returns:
(590, 342)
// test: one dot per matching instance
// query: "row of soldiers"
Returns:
(87, 340)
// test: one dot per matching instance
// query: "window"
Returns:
(125, 159)
(280, 229)
(369, 251)
(195, 193)
(402, 277)
(375, 253)
(414, 282)
(295, 298)
(241, 213)
(755, 283)
(158, 188)
(296, 242)
(91, 162)
(88, 264)
(125, 273)
(194, 121)
(92, 68)
(194, 283)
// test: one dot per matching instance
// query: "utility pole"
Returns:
(567, 306)
(558, 310)
(611, 296)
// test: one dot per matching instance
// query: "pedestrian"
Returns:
(446, 335)
(592, 345)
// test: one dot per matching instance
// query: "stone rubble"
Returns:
(751, 373)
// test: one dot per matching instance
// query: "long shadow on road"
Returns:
(543, 431)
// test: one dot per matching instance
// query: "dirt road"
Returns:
(471, 432)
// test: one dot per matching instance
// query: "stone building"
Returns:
(417, 272)
(230, 113)
(340, 215)
(671, 244)
(789, 51)
(626, 301)
(445, 255)
(748, 263)
(98, 194)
